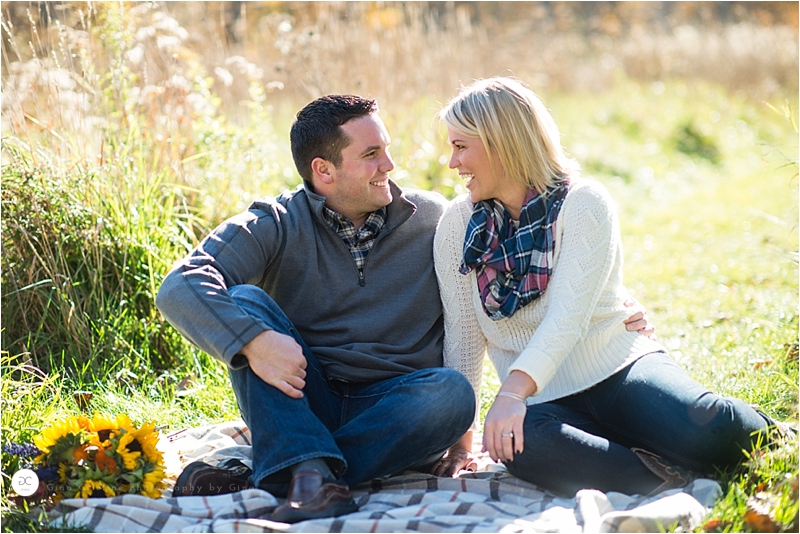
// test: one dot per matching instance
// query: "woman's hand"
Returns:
(503, 432)
(638, 321)
(458, 458)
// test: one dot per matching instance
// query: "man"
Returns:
(324, 305)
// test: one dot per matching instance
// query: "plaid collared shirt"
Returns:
(358, 240)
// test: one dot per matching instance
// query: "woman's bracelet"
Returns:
(512, 395)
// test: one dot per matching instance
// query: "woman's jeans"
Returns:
(585, 440)
(363, 430)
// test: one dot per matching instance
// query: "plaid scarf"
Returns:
(512, 265)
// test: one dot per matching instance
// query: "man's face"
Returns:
(360, 184)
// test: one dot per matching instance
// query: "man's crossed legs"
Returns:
(360, 430)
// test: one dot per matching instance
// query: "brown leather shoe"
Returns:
(310, 497)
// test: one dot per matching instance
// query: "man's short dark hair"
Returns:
(316, 131)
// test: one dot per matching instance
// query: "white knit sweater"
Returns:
(569, 339)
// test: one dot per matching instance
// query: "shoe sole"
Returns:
(295, 515)
(286, 514)
(185, 479)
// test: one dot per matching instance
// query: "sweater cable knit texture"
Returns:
(570, 339)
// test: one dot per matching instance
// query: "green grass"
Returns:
(710, 235)
(705, 178)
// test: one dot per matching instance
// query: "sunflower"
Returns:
(102, 457)
(103, 429)
(104, 462)
(129, 449)
(143, 439)
(124, 423)
(147, 436)
(95, 488)
(56, 431)
(83, 422)
(153, 482)
(62, 472)
(80, 453)
(59, 441)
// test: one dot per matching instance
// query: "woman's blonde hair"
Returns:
(509, 118)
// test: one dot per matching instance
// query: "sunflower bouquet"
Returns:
(103, 456)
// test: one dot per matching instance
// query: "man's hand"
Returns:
(278, 360)
(458, 458)
(638, 321)
(455, 461)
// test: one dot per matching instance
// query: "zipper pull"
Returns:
(361, 281)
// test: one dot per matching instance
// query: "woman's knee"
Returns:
(723, 417)
(723, 428)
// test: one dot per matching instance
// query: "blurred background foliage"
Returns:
(132, 128)
(210, 79)
(399, 51)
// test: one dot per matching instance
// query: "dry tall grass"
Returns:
(398, 51)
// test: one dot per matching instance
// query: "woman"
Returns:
(530, 272)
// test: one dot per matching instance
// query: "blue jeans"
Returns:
(363, 430)
(584, 440)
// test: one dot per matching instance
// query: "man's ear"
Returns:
(321, 170)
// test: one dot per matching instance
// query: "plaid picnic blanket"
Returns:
(489, 500)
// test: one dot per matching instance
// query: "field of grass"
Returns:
(120, 153)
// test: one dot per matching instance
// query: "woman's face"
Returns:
(472, 162)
